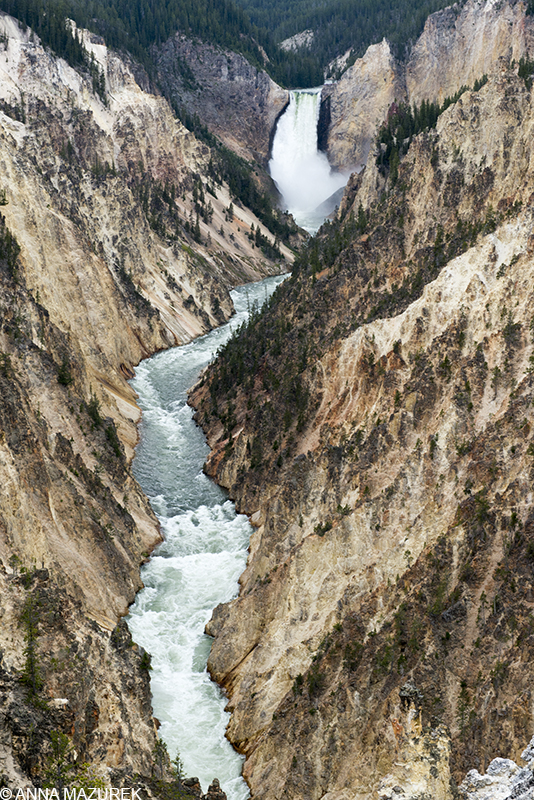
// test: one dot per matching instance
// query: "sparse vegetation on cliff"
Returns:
(382, 402)
(31, 675)
(403, 123)
(9, 249)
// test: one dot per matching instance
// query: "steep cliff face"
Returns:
(358, 103)
(237, 102)
(112, 247)
(381, 441)
(457, 47)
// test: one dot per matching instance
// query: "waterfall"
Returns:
(301, 172)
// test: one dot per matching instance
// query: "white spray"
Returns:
(301, 172)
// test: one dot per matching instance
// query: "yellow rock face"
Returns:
(358, 104)
(457, 47)
(98, 285)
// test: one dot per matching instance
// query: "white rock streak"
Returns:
(503, 780)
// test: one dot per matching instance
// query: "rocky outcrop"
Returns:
(358, 103)
(503, 780)
(112, 247)
(237, 102)
(193, 788)
(304, 39)
(457, 47)
(382, 446)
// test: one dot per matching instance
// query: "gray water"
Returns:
(198, 564)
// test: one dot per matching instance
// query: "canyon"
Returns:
(380, 442)
(375, 422)
(104, 261)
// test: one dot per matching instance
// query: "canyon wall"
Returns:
(381, 441)
(114, 243)
(456, 48)
(358, 103)
(236, 101)
(461, 43)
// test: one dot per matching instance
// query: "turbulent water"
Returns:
(301, 172)
(198, 564)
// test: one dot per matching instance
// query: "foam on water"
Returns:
(198, 564)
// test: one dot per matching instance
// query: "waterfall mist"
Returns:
(301, 172)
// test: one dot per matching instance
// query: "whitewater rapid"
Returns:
(301, 171)
(198, 564)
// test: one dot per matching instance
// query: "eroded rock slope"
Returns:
(115, 241)
(456, 48)
(376, 423)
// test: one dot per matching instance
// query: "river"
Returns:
(198, 564)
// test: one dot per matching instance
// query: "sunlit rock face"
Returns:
(457, 47)
(389, 478)
(96, 282)
(358, 104)
(461, 44)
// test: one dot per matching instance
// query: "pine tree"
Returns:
(31, 674)
(196, 231)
